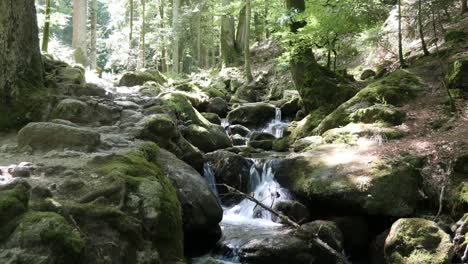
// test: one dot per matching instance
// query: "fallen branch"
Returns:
(288, 221)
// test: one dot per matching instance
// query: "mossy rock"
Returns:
(281, 144)
(457, 77)
(415, 241)
(13, 202)
(352, 132)
(207, 139)
(159, 126)
(457, 194)
(45, 237)
(252, 114)
(394, 90)
(159, 208)
(131, 79)
(455, 36)
(378, 113)
(186, 87)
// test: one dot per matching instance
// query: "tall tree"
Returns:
(248, 15)
(142, 49)
(79, 43)
(421, 29)
(229, 50)
(21, 69)
(241, 28)
(464, 6)
(46, 30)
(163, 44)
(130, 35)
(175, 28)
(93, 39)
(400, 38)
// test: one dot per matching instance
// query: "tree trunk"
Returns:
(163, 45)
(267, 31)
(79, 32)
(199, 38)
(258, 27)
(464, 6)
(21, 69)
(400, 38)
(421, 29)
(142, 50)
(229, 51)
(248, 14)
(299, 6)
(130, 36)
(46, 31)
(175, 27)
(241, 34)
(93, 18)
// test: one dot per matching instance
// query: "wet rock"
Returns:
(416, 240)
(252, 115)
(218, 106)
(366, 74)
(90, 89)
(201, 209)
(239, 129)
(50, 136)
(290, 108)
(238, 140)
(24, 170)
(295, 210)
(257, 136)
(230, 169)
(307, 142)
(297, 247)
(335, 177)
(207, 140)
(89, 112)
(261, 140)
(131, 79)
(212, 117)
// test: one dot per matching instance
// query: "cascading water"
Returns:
(208, 173)
(276, 126)
(5, 177)
(246, 221)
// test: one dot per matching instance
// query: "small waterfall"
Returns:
(276, 126)
(266, 190)
(208, 174)
(5, 177)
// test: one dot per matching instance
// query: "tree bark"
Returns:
(21, 69)
(163, 45)
(229, 50)
(464, 6)
(93, 39)
(299, 6)
(79, 43)
(421, 29)
(400, 38)
(248, 14)
(130, 36)
(175, 28)
(46, 30)
(142, 49)
(241, 27)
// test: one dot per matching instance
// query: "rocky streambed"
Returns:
(133, 174)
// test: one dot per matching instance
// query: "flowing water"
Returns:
(246, 221)
(276, 126)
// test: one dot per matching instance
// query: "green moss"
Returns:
(139, 169)
(54, 232)
(455, 36)
(455, 75)
(13, 203)
(281, 144)
(395, 89)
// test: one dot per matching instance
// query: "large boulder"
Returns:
(161, 129)
(252, 115)
(375, 102)
(201, 211)
(200, 132)
(86, 112)
(231, 169)
(457, 77)
(367, 73)
(136, 78)
(336, 177)
(218, 106)
(49, 136)
(416, 240)
(295, 246)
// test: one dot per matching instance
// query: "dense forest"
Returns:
(234, 131)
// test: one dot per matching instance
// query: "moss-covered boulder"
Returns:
(136, 78)
(91, 112)
(218, 106)
(252, 115)
(200, 132)
(295, 246)
(375, 102)
(416, 240)
(455, 36)
(457, 77)
(201, 209)
(307, 143)
(13, 202)
(42, 237)
(352, 132)
(337, 177)
(213, 118)
(49, 136)
(457, 194)
(161, 129)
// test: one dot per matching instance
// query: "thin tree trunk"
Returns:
(79, 43)
(130, 36)
(329, 59)
(421, 29)
(175, 27)
(199, 38)
(464, 6)
(335, 59)
(267, 32)
(400, 38)
(248, 70)
(163, 45)
(228, 47)
(46, 31)
(240, 36)
(93, 18)
(142, 50)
